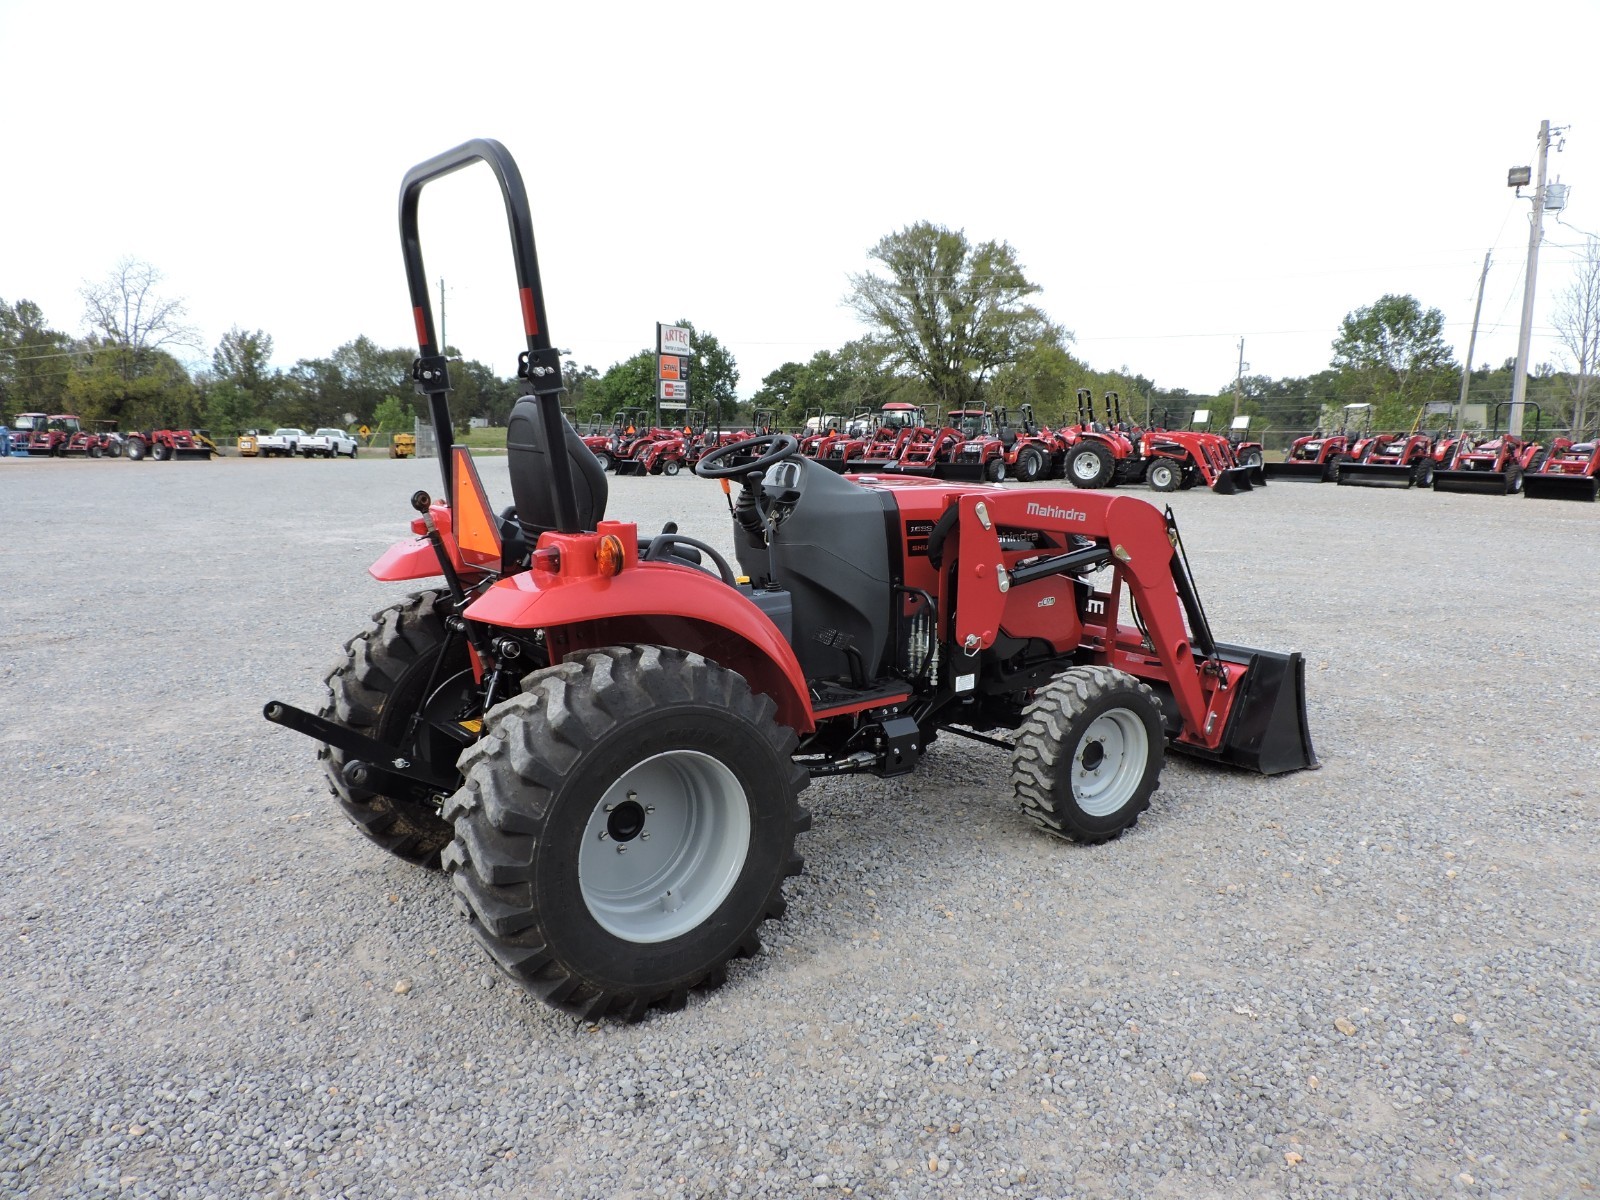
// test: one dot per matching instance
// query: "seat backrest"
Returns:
(528, 463)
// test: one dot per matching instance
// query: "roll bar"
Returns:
(540, 364)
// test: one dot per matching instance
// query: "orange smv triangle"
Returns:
(477, 532)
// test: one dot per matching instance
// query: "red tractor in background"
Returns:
(895, 426)
(601, 734)
(170, 445)
(1181, 458)
(991, 447)
(1392, 460)
(50, 436)
(1497, 465)
(1315, 458)
(1571, 471)
(1102, 453)
(933, 452)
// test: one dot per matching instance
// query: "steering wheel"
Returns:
(715, 464)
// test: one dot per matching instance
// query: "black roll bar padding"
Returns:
(543, 360)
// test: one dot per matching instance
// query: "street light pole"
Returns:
(1519, 379)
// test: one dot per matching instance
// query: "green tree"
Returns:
(392, 416)
(161, 396)
(630, 383)
(35, 360)
(243, 387)
(950, 313)
(838, 382)
(1392, 355)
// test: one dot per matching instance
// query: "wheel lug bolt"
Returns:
(622, 849)
(644, 837)
(649, 808)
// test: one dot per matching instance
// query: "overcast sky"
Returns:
(1174, 176)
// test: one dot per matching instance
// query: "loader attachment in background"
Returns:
(1488, 483)
(1304, 472)
(1556, 485)
(1363, 474)
(1235, 479)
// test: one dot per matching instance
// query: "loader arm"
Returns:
(1203, 683)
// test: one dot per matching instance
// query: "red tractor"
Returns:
(1315, 458)
(1180, 458)
(50, 436)
(601, 734)
(1102, 453)
(1571, 471)
(1498, 464)
(170, 445)
(894, 427)
(1392, 460)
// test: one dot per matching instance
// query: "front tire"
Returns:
(1030, 465)
(1090, 465)
(554, 863)
(1089, 754)
(671, 467)
(605, 460)
(136, 450)
(1164, 475)
(1513, 479)
(382, 684)
(995, 469)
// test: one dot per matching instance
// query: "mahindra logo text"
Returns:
(1051, 511)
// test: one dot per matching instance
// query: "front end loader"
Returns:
(601, 734)
(1570, 472)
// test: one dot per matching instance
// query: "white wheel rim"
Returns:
(1109, 762)
(664, 847)
(1085, 465)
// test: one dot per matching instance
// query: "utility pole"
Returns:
(1238, 381)
(1519, 380)
(1472, 345)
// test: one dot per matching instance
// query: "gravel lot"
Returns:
(1376, 979)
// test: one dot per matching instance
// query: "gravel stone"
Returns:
(202, 957)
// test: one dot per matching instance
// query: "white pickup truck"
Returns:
(328, 443)
(280, 443)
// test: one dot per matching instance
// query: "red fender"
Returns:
(654, 604)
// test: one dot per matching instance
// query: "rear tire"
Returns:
(1164, 475)
(575, 774)
(382, 682)
(1250, 458)
(1090, 465)
(136, 450)
(1089, 754)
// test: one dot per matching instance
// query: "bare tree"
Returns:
(1577, 322)
(133, 316)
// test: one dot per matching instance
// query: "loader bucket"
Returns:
(192, 454)
(1376, 475)
(1233, 480)
(1555, 485)
(1304, 472)
(1267, 729)
(1492, 483)
(1258, 473)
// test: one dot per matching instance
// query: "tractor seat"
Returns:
(528, 464)
(1582, 448)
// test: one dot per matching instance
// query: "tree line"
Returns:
(948, 324)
